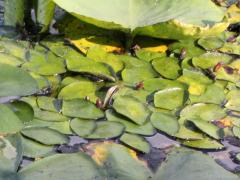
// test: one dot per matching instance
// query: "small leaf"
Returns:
(45, 135)
(205, 143)
(106, 130)
(82, 127)
(136, 142)
(132, 108)
(211, 43)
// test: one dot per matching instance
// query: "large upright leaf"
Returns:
(157, 18)
(14, 12)
(16, 82)
(44, 10)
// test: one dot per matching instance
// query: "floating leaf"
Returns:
(236, 131)
(211, 43)
(34, 149)
(230, 48)
(79, 89)
(196, 80)
(88, 66)
(82, 127)
(106, 130)
(210, 59)
(168, 67)
(81, 108)
(49, 116)
(118, 161)
(233, 102)
(170, 98)
(207, 112)
(49, 104)
(146, 129)
(16, 82)
(148, 55)
(10, 60)
(205, 168)
(164, 122)
(9, 121)
(208, 128)
(23, 110)
(132, 108)
(45, 135)
(136, 142)
(55, 167)
(45, 64)
(187, 133)
(205, 143)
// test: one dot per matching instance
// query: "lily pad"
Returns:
(205, 168)
(208, 128)
(10, 59)
(23, 110)
(136, 142)
(233, 102)
(81, 108)
(211, 43)
(82, 127)
(106, 130)
(88, 66)
(170, 98)
(16, 82)
(236, 131)
(49, 104)
(207, 112)
(166, 123)
(168, 67)
(146, 129)
(187, 133)
(45, 64)
(45, 135)
(132, 108)
(9, 121)
(55, 166)
(33, 149)
(205, 143)
(210, 59)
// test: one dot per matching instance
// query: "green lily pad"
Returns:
(230, 48)
(23, 110)
(16, 82)
(170, 98)
(13, 48)
(106, 130)
(205, 169)
(99, 55)
(45, 135)
(55, 166)
(196, 80)
(205, 143)
(33, 149)
(146, 129)
(10, 59)
(118, 161)
(168, 67)
(227, 73)
(60, 126)
(166, 123)
(49, 103)
(137, 74)
(233, 101)
(10, 155)
(148, 55)
(156, 84)
(132, 108)
(185, 132)
(236, 131)
(9, 121)
(210, 59)
(82, 127)
(214, 94)
(211, 43)
(81, 108)
(79, 89)
(208, 128)
(45, 64)
(48, 115)
(136, 142)
(87, 66)
(207, 112)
